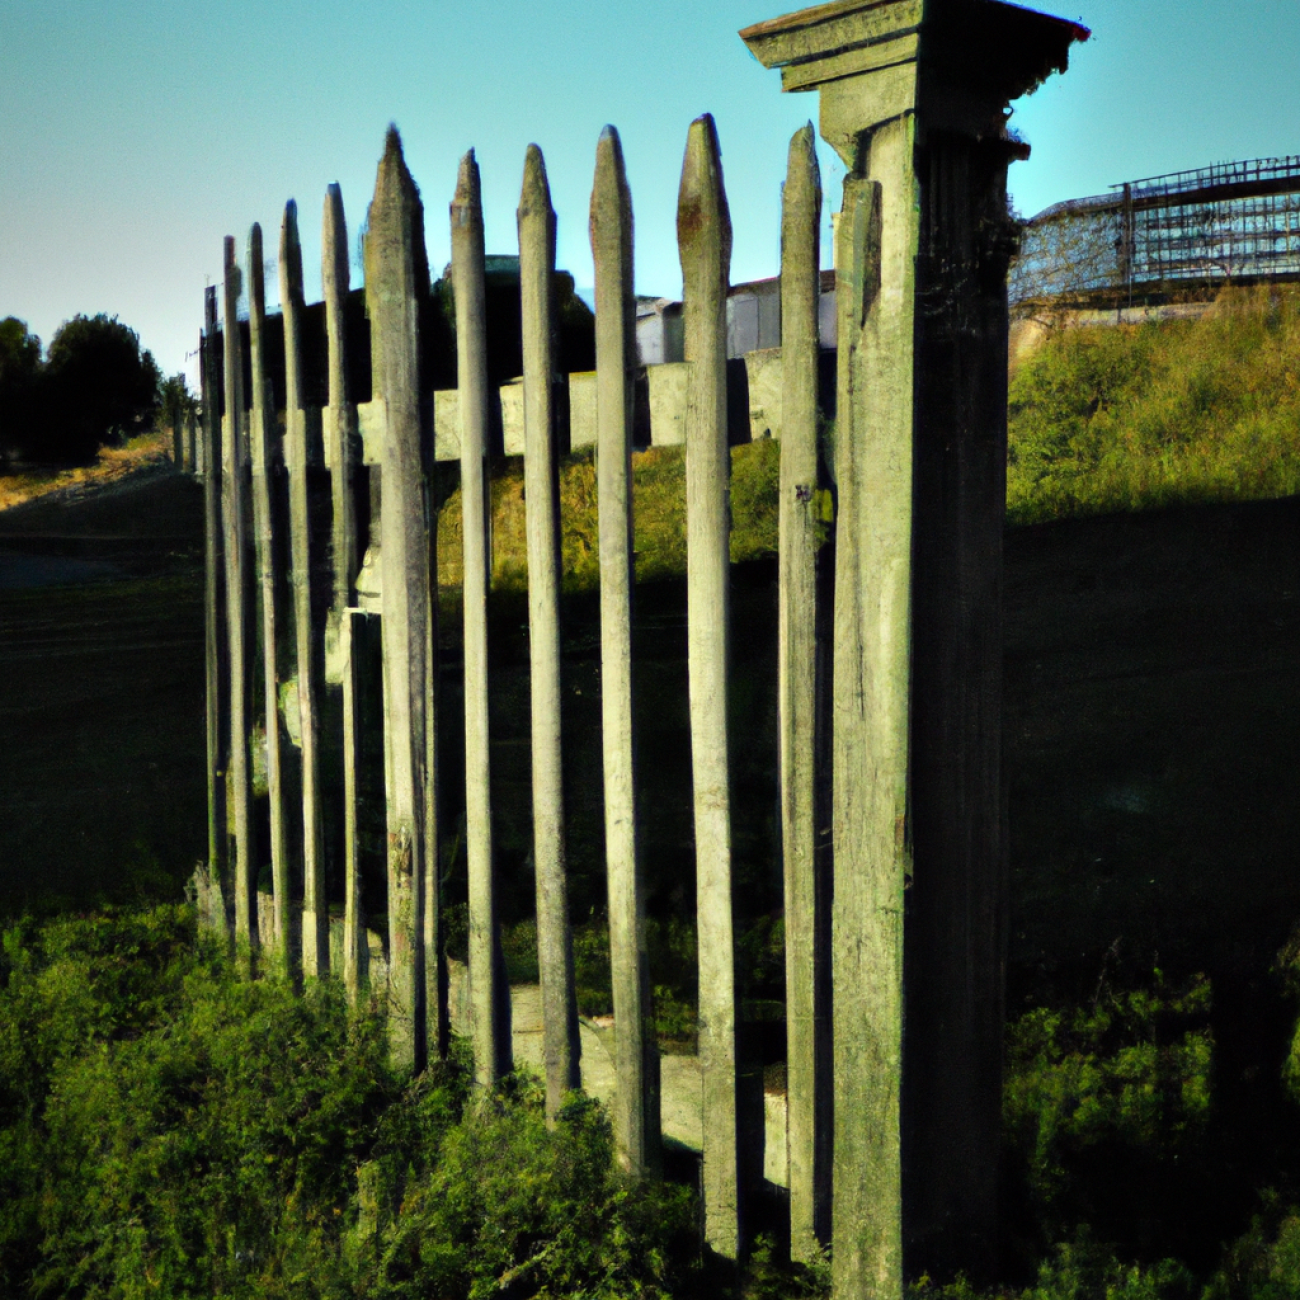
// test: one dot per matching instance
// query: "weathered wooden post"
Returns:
(913, 98)
(238, 621)
(704, 242)
(178, 433)
(307, 642)
(264, 445)
(355, 639)
(797, 652)
(341, 415)
(397, 278)
(341, 454)
(560, 1048)
(215, 645)
(636, 1096)
(489, 998)
(187, 453)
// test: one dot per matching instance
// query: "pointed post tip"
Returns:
(803, 154)
(393, 169)
(702, 165)
(467, 183)
(609, 146)
(701, 197)
(705, 125)
(536, 194)
(290, 255)
(289, 228)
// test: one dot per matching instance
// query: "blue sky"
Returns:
(136, 135)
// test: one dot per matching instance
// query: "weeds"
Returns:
(1135, 417)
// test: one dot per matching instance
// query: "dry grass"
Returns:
(113, 464)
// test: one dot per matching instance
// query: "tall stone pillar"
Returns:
(913, 97)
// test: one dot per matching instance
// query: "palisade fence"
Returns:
(321, 548)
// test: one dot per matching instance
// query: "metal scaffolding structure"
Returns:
(1228, 222)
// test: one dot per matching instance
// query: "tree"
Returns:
(98, 387)
(20, 366)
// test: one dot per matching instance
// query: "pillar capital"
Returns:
(960, 62)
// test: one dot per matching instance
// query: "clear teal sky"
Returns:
(136, 133)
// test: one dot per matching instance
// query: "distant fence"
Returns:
(1230, 222)
(322, 604)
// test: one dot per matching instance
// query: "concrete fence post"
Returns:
(704, 242)
(215, 642)
(799, 513)
(489, 996)
(636, 1095)
(560, 1046)
(913, 97)
(264, 445)
(396, 281)
(238, 621)
(308, 646)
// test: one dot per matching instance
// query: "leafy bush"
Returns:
(1131, 1071)
(1264, 1262)
(167, 1128)
(500, 1204)
(1081, 1270)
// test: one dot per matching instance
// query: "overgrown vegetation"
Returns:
(1133, 417)
(168, 1129)
(1101, 419)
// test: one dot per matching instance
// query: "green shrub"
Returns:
(71, 990)
(500, 1204)
(167, 1128)
(1264, 1262)
(1134, 1069)
(1080, 1269)
(1083, 1270)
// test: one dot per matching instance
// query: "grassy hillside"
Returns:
(1134, 417)
(659, 493)
(1102, 420)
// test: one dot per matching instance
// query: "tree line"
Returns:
(94, 387)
